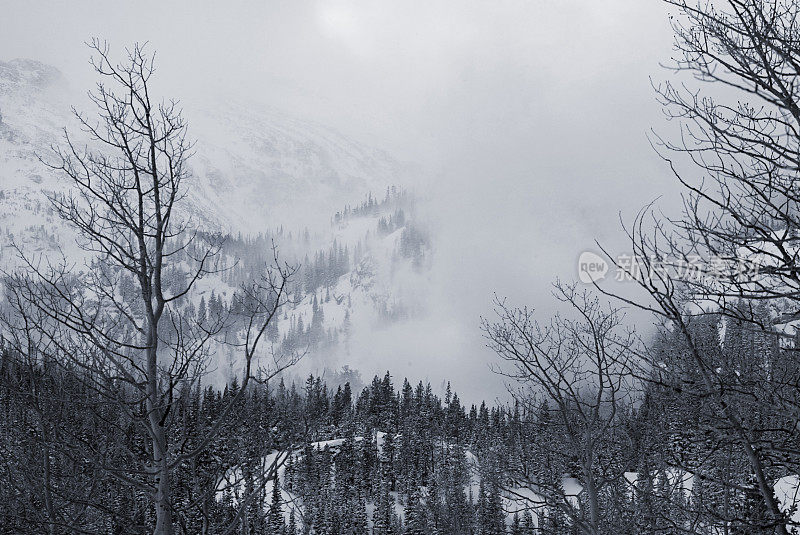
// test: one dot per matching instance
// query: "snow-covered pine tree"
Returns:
(383, 516)
(416, 519)
(275, 520)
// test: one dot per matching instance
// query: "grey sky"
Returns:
(530, 116)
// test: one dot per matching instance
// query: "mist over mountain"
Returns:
(253, 166)
(335, 209)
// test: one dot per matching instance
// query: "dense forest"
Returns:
(390, 459)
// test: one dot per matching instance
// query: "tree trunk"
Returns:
(161, 470)
(592, 526)
(48, 498)
(162, 480)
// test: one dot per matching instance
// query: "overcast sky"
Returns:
(530, 118)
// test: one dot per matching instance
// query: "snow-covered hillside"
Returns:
(259, 166)
(253, 167)
(362, 273)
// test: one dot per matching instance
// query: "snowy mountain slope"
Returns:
(252, 167)
(33, 110)
(262, 167)
(363, 273)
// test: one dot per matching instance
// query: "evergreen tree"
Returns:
(291, 528)
(383, 516)
(516, 525)
(416, 518)
(275, 520)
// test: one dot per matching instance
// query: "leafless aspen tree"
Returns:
(740, 211)
(577, 363)
(127, 206)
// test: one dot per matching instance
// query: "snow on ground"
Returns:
(233, 479)
(516, 499)
(676, 479)
(521, 499)
(787, 492)
(380, 436)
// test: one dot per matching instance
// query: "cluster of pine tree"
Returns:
(380, 460)
(387, 225)
(394, 199)
(326, 268)
(402, 461)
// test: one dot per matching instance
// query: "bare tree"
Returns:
(739, 227)
(578, 364)
(138, 350)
